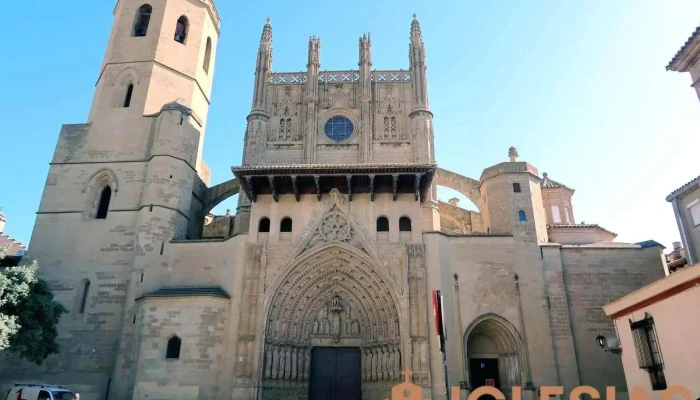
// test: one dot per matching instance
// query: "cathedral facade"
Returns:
(320, 284)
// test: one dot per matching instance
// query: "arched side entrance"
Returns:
(332, 299)
(493, 354)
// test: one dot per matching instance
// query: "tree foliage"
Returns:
(28, 313)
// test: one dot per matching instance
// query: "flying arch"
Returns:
(467, 186)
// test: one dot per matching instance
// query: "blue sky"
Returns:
(578, 87)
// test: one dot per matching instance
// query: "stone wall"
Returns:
(458, 220)
(201, 324)
(579, 234)
(595, 277)
(220, 227)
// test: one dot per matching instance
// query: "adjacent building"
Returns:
(12, 246)
(323, 278)
(657, 325)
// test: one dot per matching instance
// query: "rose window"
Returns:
(335, 227)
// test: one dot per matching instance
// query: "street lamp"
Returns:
(603, 343)
(601, 340)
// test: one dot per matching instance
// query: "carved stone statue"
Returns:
(307, 362)
(375, 359)
(268, 363)
(365, 363)
(275, 362)
(355, 327)
(335, 324)
(397, 363)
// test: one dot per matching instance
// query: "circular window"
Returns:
(338, 128)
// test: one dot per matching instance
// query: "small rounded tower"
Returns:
(557, 201)
(512, 200)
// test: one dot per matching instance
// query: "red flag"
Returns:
(437, 311)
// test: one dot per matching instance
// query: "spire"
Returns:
(365, 50)
(416, 59)
(263, 66)
(266, 37)
(416, 35)
(314, 52)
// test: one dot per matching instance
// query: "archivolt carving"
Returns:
(334, 293)
(334, 272)
(125, 77)
(100, 179)
(508, 344)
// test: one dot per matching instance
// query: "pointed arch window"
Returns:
(103, 207)
(181, 29)
(143, 18)
(207, 56)
(127, 96)
(173, 350)
(521, 216)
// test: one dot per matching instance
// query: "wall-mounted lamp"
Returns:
(608, 347)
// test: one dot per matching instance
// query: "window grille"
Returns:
(646, 345)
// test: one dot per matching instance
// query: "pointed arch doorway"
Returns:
(493, 354)
(333, 318)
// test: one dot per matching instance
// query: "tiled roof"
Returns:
(650, 243)
(580, 226)
(551, 184)
(691, 184)
(692, 37)
(183, 291)
(678, 263)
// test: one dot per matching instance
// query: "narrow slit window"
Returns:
(286, 225)
(102, 208)
(143, 18)
(207, 56)
(181, 29)
(264, 225)
(127, 97)
(382, 224)
(173, 350)
(83, 300)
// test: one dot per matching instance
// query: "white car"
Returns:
(34, 391)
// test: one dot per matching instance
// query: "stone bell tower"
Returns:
(120, 187)
(158, 52)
